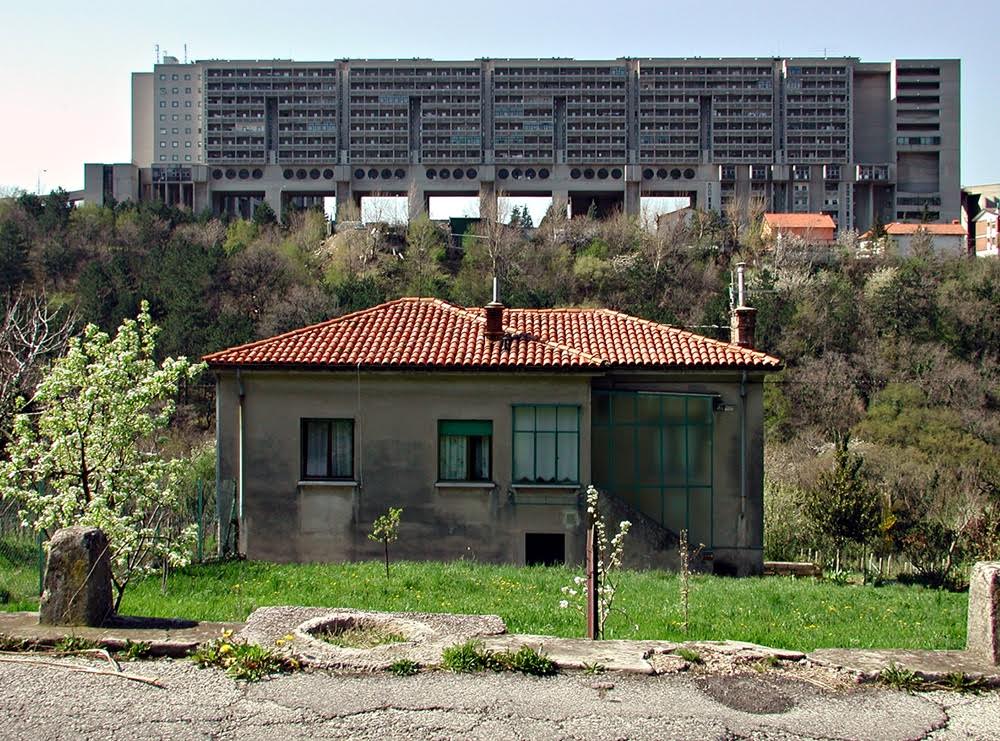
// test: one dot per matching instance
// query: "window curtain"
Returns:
(343, 448)
(480, 458)
(317, 444)
(454, 465)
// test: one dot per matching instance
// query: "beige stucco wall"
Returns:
(396, 453)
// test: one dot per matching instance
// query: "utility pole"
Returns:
(38, 183)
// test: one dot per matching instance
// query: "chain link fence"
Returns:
(22, 549)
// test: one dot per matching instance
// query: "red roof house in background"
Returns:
(813, 228)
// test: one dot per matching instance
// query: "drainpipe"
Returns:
(241, 434)
(743, 445)
(218, 461)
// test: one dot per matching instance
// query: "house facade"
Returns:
(813, 228)
(985, 225)
(486, 425)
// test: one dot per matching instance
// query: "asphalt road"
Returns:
(38, 702)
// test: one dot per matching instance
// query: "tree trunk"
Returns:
(386, 543)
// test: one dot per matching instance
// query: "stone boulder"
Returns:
(983, 638)
(77, 579)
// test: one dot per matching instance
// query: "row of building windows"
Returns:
(546, 447)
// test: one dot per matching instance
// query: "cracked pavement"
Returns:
(39, 702)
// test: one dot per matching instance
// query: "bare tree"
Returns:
(31, 331)
(499, 240)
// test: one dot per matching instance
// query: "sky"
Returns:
(66, 96)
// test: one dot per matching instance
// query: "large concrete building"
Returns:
(835, 135)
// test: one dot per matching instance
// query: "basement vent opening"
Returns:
(545, 549)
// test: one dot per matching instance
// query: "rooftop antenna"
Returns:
(157, 48)
(185, 53)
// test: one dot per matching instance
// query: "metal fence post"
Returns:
(201, 521)
(40, 539)
(593, 616)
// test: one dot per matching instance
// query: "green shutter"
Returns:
(465, 427)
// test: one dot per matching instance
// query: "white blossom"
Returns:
(91, 438)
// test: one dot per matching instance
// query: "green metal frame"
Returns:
(636, 426)
(534, 462)
(466, 428)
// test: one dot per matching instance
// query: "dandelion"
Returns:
(563, 604)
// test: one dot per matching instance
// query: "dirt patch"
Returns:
(760, 695)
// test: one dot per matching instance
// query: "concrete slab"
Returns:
(931, 665)
(166, 637)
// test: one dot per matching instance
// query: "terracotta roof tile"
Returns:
(897, 228)
(800, 221)
(427, 333)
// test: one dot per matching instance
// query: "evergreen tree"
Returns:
(264, 214)
(843, 504)
(526, 221)
(515, 217)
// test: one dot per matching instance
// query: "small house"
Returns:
(812, 228)
(486, 425)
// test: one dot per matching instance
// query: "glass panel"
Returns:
(649, 409)
(524, 456)
(700, 501)
(675, 509)
(602, 408)
(600, 455)
(629, 494)
(623, 456)
(623, 408)
(545, 457)
(454, 466)
(700, 410)
(524, 419)
(317, 445)
(480, 447)
(648, 454)
(699, 455)
(343, 448)
(674, 467)
(673, 410)
(568, 468)
(569, 419)
(651, 503)
(545, 419)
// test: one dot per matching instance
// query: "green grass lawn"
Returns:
(776, 611)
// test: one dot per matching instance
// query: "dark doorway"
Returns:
(544, 549)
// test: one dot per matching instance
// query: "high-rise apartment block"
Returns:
(851, 139)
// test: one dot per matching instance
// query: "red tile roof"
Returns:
(898, 228)
(800, 221)
(427, 333)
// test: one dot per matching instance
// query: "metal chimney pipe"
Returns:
(740, 291)
(496, 290)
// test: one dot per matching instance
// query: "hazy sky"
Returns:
(65, 85)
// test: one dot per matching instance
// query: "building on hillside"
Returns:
(812, 228)
(985, 233)
(486, 425)
(976, 198)
(945, 239)
(857, 140)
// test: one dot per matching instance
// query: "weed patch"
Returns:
(471, 656)
(404, 668)
(242, 661)
(360, 636)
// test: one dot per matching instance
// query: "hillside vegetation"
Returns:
(899, 356)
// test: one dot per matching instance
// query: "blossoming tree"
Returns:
(84, 449)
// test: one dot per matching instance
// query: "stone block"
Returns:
(983, 638)
(77, 579)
